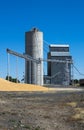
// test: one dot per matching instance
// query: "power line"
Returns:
(47, 43)
(78, 70)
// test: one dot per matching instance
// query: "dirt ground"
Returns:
(42, 110)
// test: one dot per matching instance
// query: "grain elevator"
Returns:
(34, 48)
(59, 71)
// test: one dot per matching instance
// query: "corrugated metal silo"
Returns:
(34, 48)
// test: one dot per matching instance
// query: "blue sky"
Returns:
(62, 22)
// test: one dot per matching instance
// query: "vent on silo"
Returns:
(34, 29)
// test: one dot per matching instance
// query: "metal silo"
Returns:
(34, 48)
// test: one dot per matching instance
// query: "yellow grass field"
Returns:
(9, 86)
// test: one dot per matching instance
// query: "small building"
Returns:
(59, 72)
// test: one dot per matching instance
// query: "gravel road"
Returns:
(42, 111)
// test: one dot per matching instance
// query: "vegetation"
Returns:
(15, 80)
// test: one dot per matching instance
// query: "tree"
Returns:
(15, 80)
(9, 78)
(76, 81)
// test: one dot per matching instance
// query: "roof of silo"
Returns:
(58, 45)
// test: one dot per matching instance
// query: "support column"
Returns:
(8, 66)
(17, 69)
(30, 71)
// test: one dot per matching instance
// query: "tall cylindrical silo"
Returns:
(34, 48)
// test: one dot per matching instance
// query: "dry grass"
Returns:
(9, 86)
(72, 104)
(78, 112)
